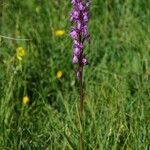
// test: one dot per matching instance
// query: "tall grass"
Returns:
(117, 96)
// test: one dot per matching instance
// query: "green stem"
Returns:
(81, 108)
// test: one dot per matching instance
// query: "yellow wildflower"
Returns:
(59, 74)
(26, 100)
(59, 32)
(20, 53)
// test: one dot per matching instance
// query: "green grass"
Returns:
(117, 81)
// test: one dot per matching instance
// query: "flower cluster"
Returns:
(79, 16)
(59, 74)
(59, 33)
(26, 100)
(20, 53)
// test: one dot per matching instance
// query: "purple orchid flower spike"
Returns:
(79, 17)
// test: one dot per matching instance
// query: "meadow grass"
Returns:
(116, 82)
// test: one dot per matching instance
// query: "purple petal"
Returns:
(77, 51)
(75, 59)
(74, 34)
(84, 61)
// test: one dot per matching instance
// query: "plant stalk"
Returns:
(81, 108)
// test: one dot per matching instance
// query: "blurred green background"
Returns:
(39, 94)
